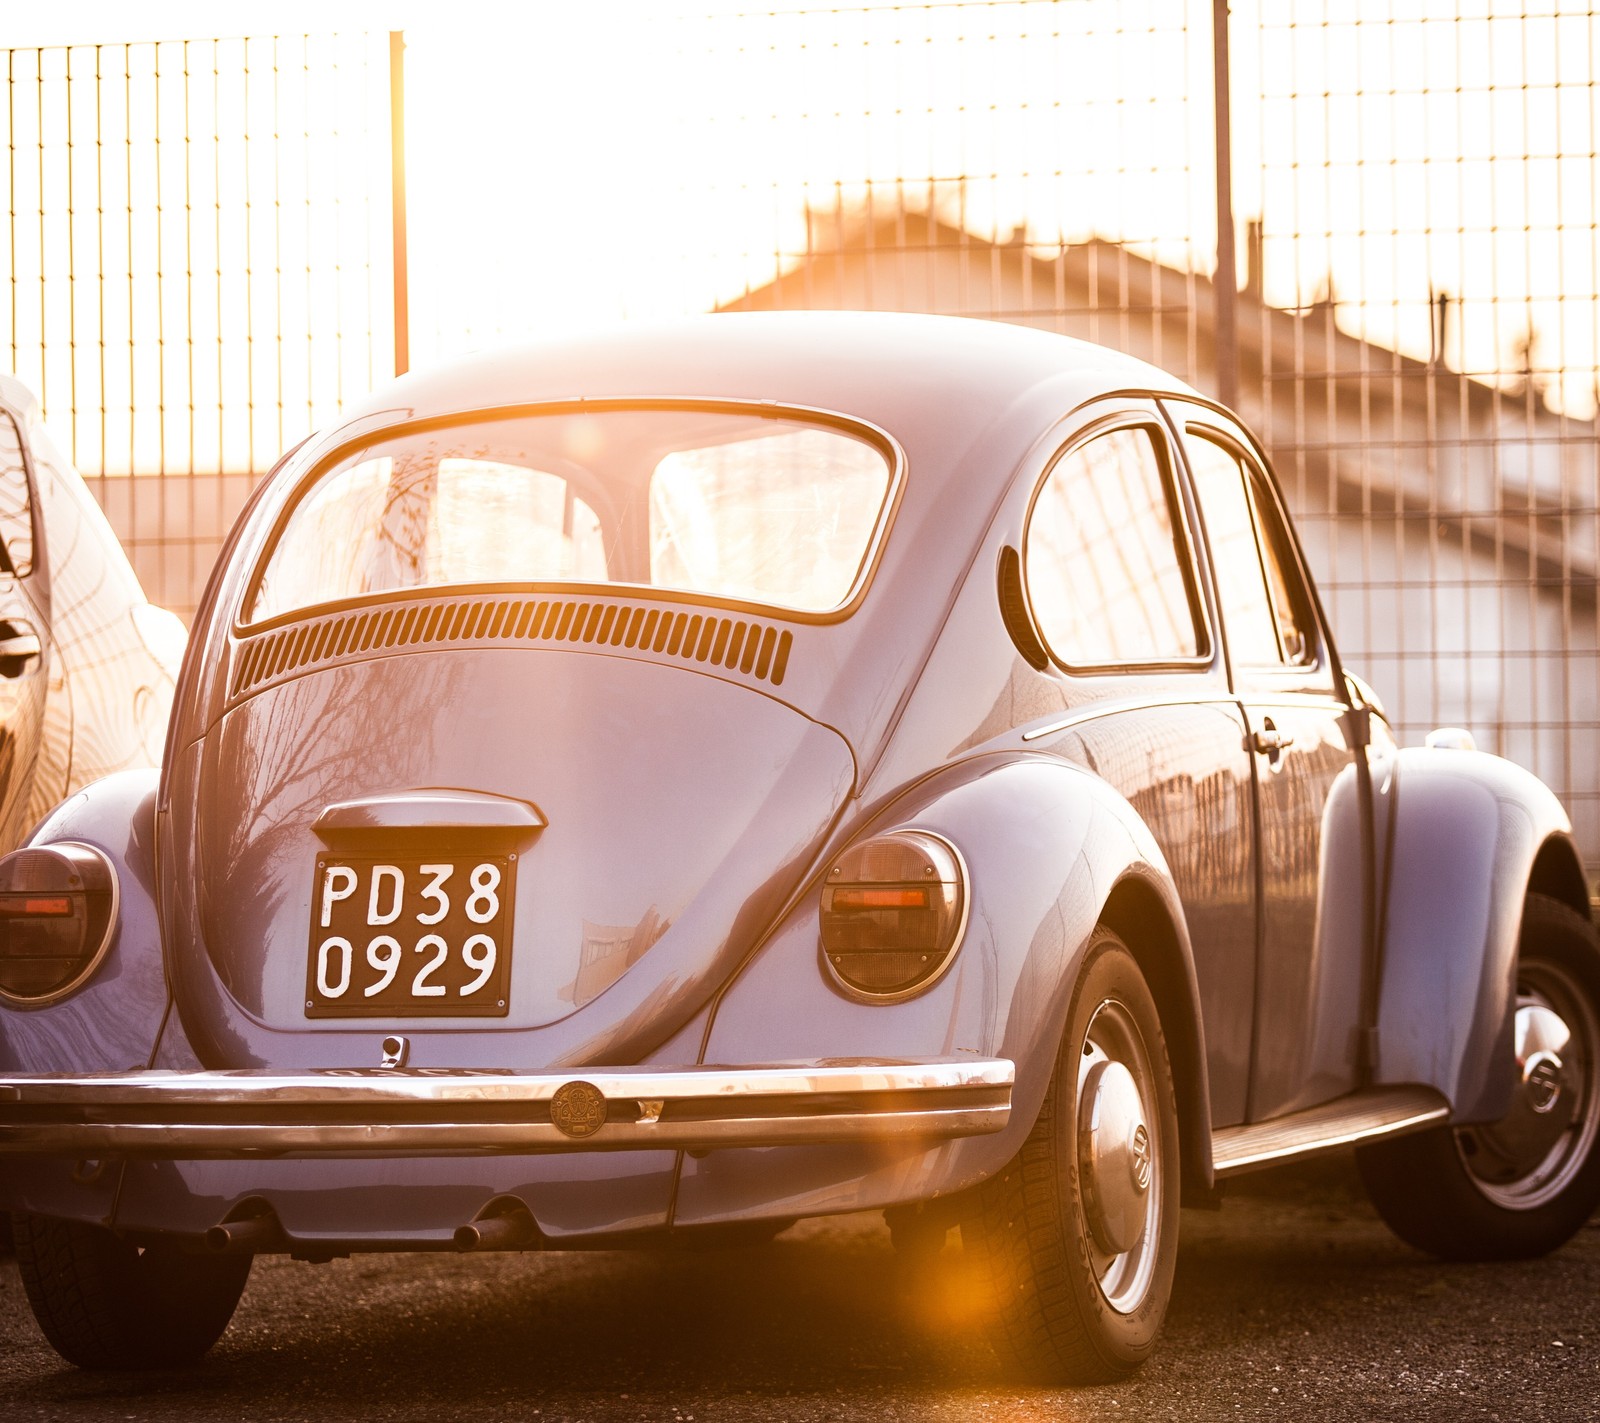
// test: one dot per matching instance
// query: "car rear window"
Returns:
(724, 503)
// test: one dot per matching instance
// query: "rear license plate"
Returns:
(424, 937)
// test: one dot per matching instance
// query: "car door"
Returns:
(1308, 979)
(1109, 561)
(23, 636)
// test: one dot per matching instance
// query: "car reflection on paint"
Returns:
(679, 781)
(86, 664)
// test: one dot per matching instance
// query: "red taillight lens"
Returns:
(21, 906)
(57, 907)
(855, 898)
(893, 910)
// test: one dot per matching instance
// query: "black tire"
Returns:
(105, 1304)
(1069, 1305)
(1521, 1186)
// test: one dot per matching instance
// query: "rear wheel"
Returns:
(106, 1304)
(1522, 1185)
(1080, 1232)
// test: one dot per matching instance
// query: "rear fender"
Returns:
(1469, 834)
(1051, 850)
(111, 1024)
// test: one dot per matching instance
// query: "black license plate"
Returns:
(410, 937)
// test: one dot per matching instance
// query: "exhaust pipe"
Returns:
(248, 1235)
(503, 1224)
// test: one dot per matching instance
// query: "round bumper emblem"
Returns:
(1541, 1075)
(1139, 1158)
(578, 1109)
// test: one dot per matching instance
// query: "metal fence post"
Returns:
(397, 189)
(1225, 282)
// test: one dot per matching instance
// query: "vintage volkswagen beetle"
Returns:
(765, 766)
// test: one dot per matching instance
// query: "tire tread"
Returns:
(1025, 1223)
(102, 1305)
(1419, 1183)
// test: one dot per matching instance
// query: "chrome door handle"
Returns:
(1268, 740)
(21, 646)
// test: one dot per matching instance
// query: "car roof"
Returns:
(17, 398)
(891, 369)
(967, 400)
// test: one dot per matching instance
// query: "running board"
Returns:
(1362, 1116)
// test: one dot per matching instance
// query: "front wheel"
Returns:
(1079, 1233)
(1523, 1185)
(103, 1303)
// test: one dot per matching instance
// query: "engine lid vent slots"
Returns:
(740, 645)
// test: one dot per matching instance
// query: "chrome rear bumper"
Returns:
(410, 1111)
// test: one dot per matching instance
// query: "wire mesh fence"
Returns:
(1421, 352)
(197, 252)
(200, 271)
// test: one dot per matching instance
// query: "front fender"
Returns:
(1047, 845)
(1465, 831)
(111, 1024)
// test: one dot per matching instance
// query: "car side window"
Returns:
(1291, 604)
(1248, 608)
(1280, 633)
(1106, 568)
(16, 512)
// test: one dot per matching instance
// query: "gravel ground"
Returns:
(1293, 1302)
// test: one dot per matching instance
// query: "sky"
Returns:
(569, 165)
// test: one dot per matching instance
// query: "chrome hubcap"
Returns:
(1119, 1165)
(1114, 1151)
(1531, 1154)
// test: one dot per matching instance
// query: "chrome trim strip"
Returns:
(377, 1112)
(193, 1142)
(429, 809)
(1364, 1116)
(1093, 711)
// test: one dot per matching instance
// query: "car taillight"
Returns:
(58, 904)
(893, 912)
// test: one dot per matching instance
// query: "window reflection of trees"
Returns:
(1292, 804)
(607, 952)
(1198, 811)
(1184, 771)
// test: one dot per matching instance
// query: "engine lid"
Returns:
(644, 822)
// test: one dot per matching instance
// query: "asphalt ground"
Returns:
(1292, 1302)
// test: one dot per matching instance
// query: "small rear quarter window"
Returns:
(1107, 571)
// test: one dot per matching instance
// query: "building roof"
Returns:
(1354, 427)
